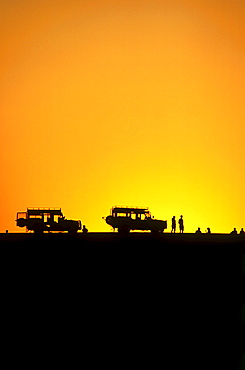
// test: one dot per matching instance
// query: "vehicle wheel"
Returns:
(38, 228)
(154, 231)
(124, 229)
(72, 232)
(21, 222)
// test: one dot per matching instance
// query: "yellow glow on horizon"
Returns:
(134, 103)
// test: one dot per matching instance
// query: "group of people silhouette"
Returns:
(180, 222)
(208, 231)
(198, 231)
(234, 231)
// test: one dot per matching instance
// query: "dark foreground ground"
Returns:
(110, 238)
(165, 301)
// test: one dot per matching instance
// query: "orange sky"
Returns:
(123, 103)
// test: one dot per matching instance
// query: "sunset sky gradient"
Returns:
(124, 102)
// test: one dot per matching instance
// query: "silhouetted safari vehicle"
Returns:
(46, 219)
(125, 219)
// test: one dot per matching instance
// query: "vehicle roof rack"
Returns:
(122, 209)
(40, 210)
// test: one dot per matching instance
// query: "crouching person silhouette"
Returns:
(85, 230)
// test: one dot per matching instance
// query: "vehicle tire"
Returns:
(38, 228)
(72, 231)
(124, 229)
(21, 222)
(154, 231)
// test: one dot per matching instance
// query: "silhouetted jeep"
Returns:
(125, 219)
(46, 219)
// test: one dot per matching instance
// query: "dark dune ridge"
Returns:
(162, 298)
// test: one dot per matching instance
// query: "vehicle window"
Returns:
(45, 217)
(21, 215)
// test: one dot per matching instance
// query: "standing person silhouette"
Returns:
(181, 224)
(173, 225)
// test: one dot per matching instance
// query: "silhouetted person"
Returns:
(208, 230)
(181, 224)
(198, 231)
(242, 231)
(85, 230)
(173, 225)
(234, 231)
